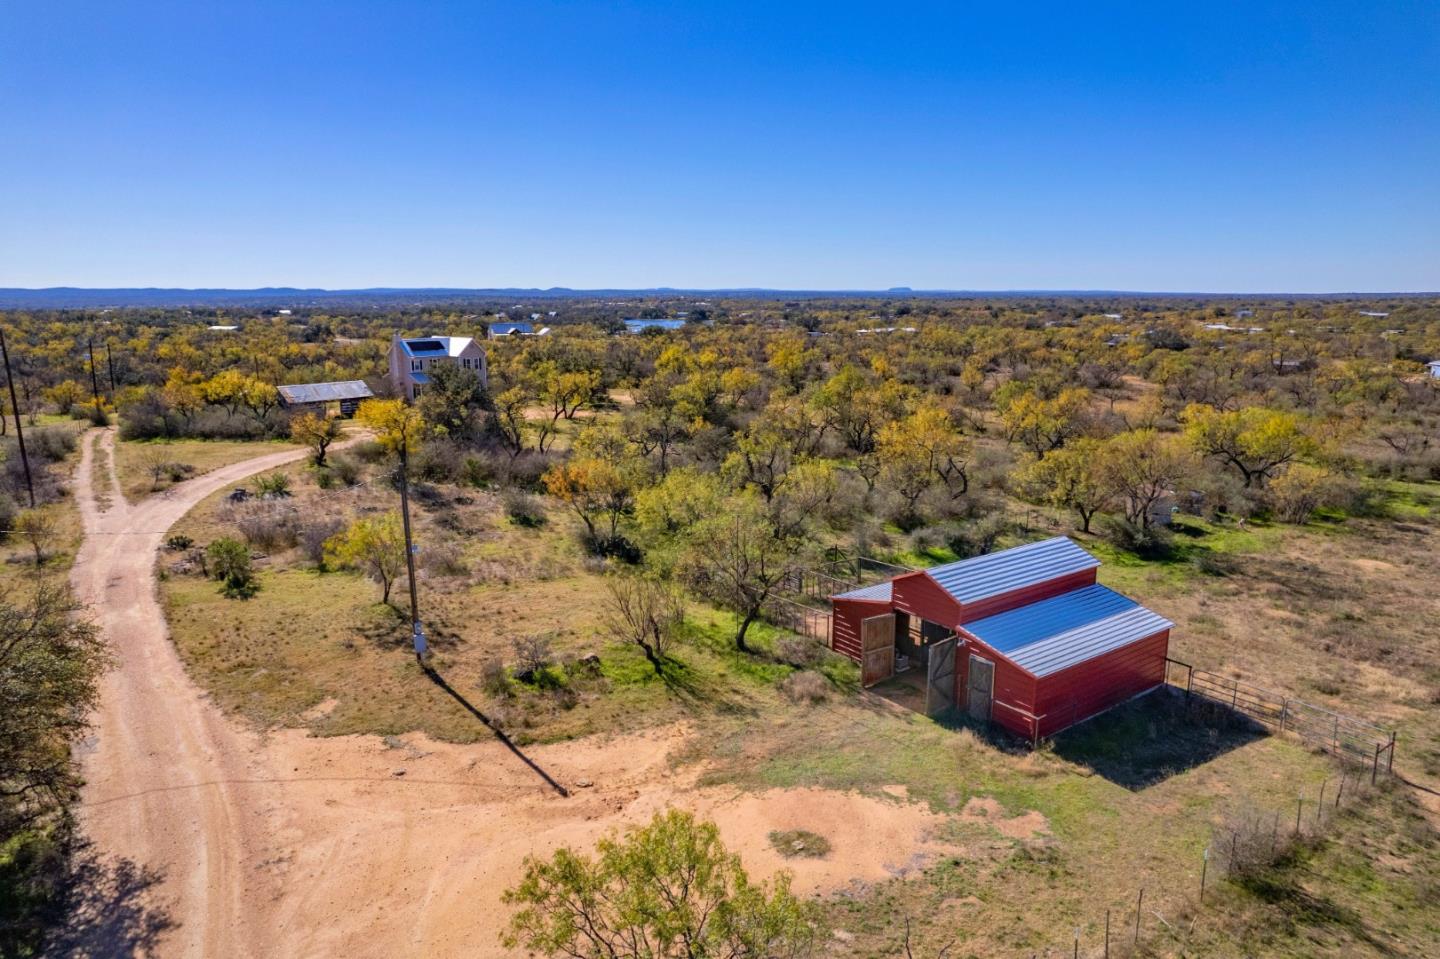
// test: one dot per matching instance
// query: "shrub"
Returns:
(522, 508)
(368, 451)
(798, 651)
(265, 526)
(50, 444)
(273, 485)
(344, 469)
(1152, 542)
(8, 510)
(977, 537)
(444, 560)
(493, 678)
(532, 655)
(805, 687)
(314, 534)
(800, 843)
(178, 543)
(228, 560)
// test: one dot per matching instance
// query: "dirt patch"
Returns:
(1028, 825)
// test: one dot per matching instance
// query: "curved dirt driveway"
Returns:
(286, 845)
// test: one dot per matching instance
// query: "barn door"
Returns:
(877, 649)
(940, 685)
(981, 688)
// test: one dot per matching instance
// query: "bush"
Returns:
(805, 687)
(50, 444)
(444, 560)
(228, 560)
(977, 537)
(522, 508)
(1152, 542)
(344, 469)
(314, 534)
(493, 678)
(532, 656)
(265, 526)
(273, 485)
(368, 451)
(798, 651)
(179, 543)
(8, 511)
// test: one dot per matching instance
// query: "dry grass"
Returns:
(132, 459)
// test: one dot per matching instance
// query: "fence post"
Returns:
(1299, 804)
(1139, 903)
(1320, 803)
(1340, 790)
(1204, 867)
(1189, 682)
(1284, 713)
(1335, 736)
(1107, 934)
(1390, 762)
(1375, 767)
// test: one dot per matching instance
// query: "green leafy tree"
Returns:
(1140, 468)
(646, 612)
(667, 890)
(597, 491)
(316, 432)
(453, 400)
(1070, 478)
(1255, 441)
(375, 546)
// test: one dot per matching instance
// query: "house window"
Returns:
(415, 366)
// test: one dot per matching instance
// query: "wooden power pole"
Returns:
(94, 380)
(19, 430)
(416, 630)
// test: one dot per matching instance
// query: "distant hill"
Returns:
(71, 297)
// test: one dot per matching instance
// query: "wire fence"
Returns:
(1349, 738)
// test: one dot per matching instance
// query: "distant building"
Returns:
(1372, 313)
(637, 325)
(1242, 314)
(498, 330)
(317, 397)
(410, 359)
(1434, 368)
(222, 329)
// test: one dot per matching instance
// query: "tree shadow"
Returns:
(469, 707)
(108, 909)
(698, 691)
(1148, 740)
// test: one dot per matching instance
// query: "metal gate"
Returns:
(877, 649)
(980, 688)
(940, 684)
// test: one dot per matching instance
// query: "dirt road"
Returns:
(283, 845)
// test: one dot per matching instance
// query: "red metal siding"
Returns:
(991, 605)
(919, 595)
(1095, 685)
(1014, 694)
(845, 617)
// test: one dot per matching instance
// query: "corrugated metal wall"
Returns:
(1097, 684)
(845, 618)
(919, 595)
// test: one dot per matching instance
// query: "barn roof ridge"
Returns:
(980, 577)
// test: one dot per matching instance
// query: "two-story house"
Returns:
(411, 358)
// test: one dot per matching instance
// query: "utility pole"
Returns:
(110, 365)
(94, 380)
(15, 408)
(416, 630)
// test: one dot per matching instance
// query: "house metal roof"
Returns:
(1068, 629)
(635, 325)
(879, 592)
(425, 346)
(505, 329)
(300, 393)
(971, 580)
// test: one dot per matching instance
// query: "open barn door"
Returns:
(940, 683)
(877, 649)
(981, 688)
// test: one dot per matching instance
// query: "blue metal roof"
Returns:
(505, 329)
(1068, 629)
(880, 593)
(971, 580)
(634, 325)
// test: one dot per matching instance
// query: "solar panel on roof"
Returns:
(425, 346)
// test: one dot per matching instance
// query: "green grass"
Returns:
(131, 459)
(800, 844)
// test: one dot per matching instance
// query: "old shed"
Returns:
(1024, 637)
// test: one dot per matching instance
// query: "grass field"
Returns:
(133, 458)
(1337, 612)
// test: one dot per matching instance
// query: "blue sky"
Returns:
(1156, 146)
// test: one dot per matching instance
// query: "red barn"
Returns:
(1024, 637)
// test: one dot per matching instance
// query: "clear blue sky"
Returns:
(1158, 146)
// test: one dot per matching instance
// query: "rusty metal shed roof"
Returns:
(971, 580)
(1066, 630)
(299, 394)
